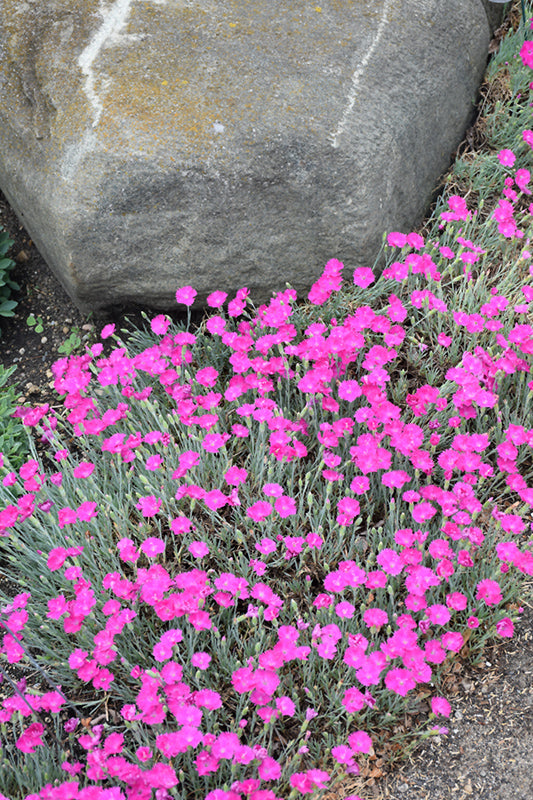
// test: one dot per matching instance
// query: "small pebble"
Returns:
(44, 339)
(22, 351)
(403, 787)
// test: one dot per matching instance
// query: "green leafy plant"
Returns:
(7, 286)
(13, 437)
(36, 323)
(71, 343)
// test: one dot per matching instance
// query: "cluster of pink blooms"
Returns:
(188, 712)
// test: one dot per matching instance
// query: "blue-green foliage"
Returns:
(7, 286)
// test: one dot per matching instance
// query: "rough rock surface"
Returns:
(147, 144)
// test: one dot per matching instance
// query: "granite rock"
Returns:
(148, 144)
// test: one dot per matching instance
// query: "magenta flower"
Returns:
(489, 591)
(86, 511)
(360, 742)
(395, 239)
(390, 561)
(415, 241)
(345, 610)
(186, 295)
(172, 744)
(360, 484)
(395, 478)
(149, 506)
(266, 546)
(526, 53)
(259, 511)
(84, 469)
(506, 157)
(216, 325)
(456, 601)
(154, 462)
(375, 617)
(363, 277)
(107, 331)
(240, 431)
(342, 754)
(31, 738)
(439, 705)
(56, 558)
(349, 390)
(207, 376)
(57, 606)
(269, 769)
(160, 324)
(215, 499)
(201, 660)
(400, 681)
(216, 299)
(127, 550)
(422, 512)
(198, 549)
(152, 546)
(144, 753)
(235, 476)
(353, 700)
(452, 640)
(285, 706)
(348, 509)
(212, 442)
(66, 516)
(285, 506)
(273, 490)
(438, 614)
(314, 540)
(505, 627)
(306, 782)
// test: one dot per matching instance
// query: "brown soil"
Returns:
(42, 296)
(488, 753)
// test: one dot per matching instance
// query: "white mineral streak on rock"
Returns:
(358, 74)
(113, 19)
(74, 153)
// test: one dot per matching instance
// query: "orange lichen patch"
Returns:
(187, 79)
(180, 78)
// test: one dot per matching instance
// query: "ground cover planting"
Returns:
(241, 550)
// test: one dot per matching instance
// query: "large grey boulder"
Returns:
(148, 144)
